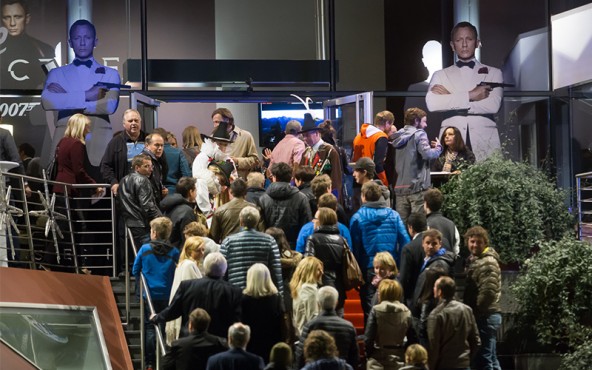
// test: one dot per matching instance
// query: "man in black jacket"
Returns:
(179, 207)
(137, 203)
(283, 205)
(412, 256)
(116, 162)
(218, 297)
(438, 262)
(193, 351)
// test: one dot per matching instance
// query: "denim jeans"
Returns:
(486, 358)
(150, 338)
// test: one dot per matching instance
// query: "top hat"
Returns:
(220, 133)
(309, 123)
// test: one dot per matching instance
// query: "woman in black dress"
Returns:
(262, 310)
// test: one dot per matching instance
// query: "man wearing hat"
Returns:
(365, 171)
(372, 142)
(290, 149)
(322, 157)
(241, 145)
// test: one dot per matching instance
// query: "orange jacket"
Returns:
(365, 144)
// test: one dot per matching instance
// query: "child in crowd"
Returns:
(416, 358)
(385, 267)
(156, 260)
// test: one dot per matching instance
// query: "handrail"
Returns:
(144, 289)
(585, 174)
(34, 239)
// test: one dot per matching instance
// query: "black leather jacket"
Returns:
(136, 201)
(327, 245)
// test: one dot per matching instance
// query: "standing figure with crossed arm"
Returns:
(461, 92)
(74, 88)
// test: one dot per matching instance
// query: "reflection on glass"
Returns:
(55, 337)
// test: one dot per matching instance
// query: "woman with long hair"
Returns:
(389, 322)
(304, 287)
(191, 143)
(289, 260)
(187, 269)
(455, 154)
(262, 310)
(328, 245)
(71, 158)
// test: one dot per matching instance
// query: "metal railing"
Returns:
(65, 232)
(584, 203)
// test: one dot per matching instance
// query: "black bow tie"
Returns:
(78, 63)
(461, 64)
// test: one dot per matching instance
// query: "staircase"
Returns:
(132, 328)
(352, 312)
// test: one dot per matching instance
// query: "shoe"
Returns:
(86, 271)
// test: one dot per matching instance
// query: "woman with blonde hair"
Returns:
(262, 310)
(304, 287)
(385, 267)
(70, 159)
(191, 143)
(389, 322)
(187, 269)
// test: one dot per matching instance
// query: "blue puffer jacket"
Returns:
(375, 228)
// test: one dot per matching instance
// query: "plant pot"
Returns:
(537, 361)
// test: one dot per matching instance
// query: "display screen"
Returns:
(273, 118)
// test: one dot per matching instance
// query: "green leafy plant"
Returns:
(517, 203)
(580, 358)
(554, 292)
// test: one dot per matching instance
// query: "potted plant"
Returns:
(518, 204)
(554, 296)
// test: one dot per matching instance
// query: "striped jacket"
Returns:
(246, 248)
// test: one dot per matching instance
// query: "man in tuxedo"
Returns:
(23, 55)
(73, 89)
(456, 92)
(237, 357)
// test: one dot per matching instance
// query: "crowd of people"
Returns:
(267, 261)
(244, 257)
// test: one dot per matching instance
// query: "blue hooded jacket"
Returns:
(376, 228)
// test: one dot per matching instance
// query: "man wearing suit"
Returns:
(467, 106)
(193, 351)
(72, 89)
(218, 297)
(237, 357)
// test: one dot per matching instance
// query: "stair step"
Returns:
(357, 319)
(352, 294)
(353, 306)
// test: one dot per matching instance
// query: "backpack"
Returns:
(352, 274)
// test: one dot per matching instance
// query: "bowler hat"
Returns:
(309, 123)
